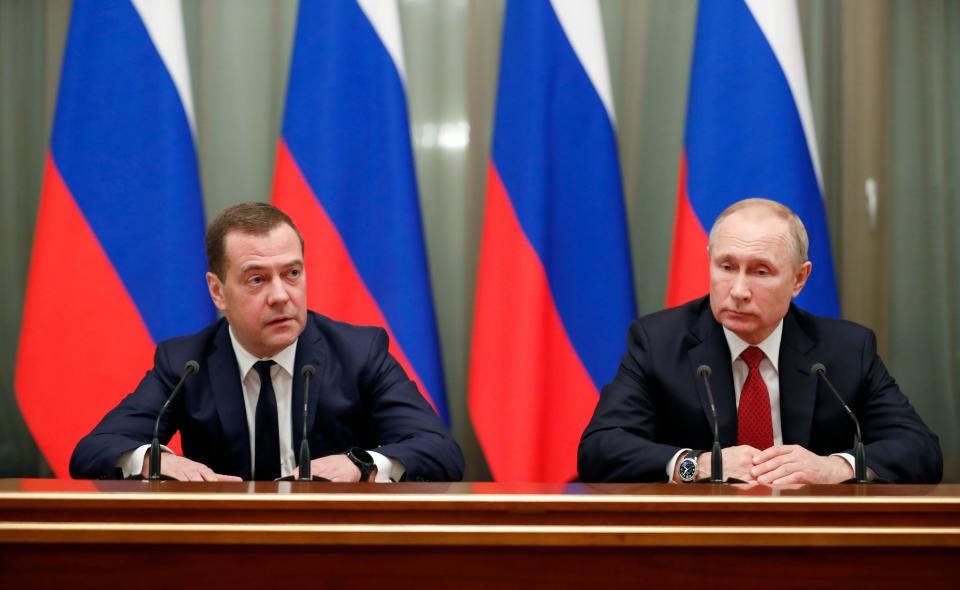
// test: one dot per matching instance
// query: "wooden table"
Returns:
(73, 534)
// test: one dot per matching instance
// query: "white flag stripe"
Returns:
(385, 18)
(582, 24)
(780, 23)
(164, 22)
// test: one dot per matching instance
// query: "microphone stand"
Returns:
(716, 456)
(859, 453)
(304, 462)
(189, 369)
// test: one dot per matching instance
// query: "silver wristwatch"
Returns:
(688, 467)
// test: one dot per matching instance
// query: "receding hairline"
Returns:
(797, 239)
(238, 233)
(252, 218)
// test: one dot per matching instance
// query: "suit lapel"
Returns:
(228, 393)
(311, 350)
(713, 351)
(798, 388)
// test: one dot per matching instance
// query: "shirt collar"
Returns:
(285, 358)
(770, 345)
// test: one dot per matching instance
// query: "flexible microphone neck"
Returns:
(307, 371)
(859, 454)
(189, 369)
(716, 456)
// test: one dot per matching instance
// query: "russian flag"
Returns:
(554, 291)
(118, 261)
(345, 175)
(749, 134)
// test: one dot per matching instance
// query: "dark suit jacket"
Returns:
(657, 405)
(360, 396)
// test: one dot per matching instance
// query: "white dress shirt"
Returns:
(769, 371)
(281, 374)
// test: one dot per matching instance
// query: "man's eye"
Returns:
(255, 280)
(294, 273)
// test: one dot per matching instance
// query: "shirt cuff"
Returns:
(849, 459)
(672, 464)
(131, 462)
(388, 470)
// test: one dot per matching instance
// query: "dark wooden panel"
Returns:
(241, 567)
(62, 534)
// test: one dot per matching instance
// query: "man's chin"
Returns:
(282, 334)
(738, 322)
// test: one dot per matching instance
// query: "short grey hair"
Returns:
(799, 242)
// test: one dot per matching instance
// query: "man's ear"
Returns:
(800, 279)
(216, 291)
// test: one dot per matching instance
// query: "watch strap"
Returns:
(365, 467)
(691, 455)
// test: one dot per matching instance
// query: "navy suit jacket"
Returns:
(657, 405)
(360, 396)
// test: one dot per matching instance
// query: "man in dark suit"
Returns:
(778, 423)
(241, 415)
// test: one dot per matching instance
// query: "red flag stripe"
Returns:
(65, 340)
(689, 276)
(530, 430)
(342, 294)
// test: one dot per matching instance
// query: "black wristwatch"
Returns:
(688, 467)
(362, 460)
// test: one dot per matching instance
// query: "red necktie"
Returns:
(754, 424)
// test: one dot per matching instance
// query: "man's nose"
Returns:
(740, 289)
(278, 292)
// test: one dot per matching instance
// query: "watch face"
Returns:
(688, 469)
(361, 456)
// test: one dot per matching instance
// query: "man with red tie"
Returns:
(778, 422)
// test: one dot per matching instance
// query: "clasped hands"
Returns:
(778, 465)
(332, 467)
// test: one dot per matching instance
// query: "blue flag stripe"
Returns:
(123, 145)
(745, 138)
(346, 126)
(555, 149)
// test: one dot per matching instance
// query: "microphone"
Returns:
(859, 455)
(189, 369)
(307, 371)
(716, 457)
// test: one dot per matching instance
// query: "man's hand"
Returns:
(737, 462)
(337, 468)
(788, 464)
(183, 469)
